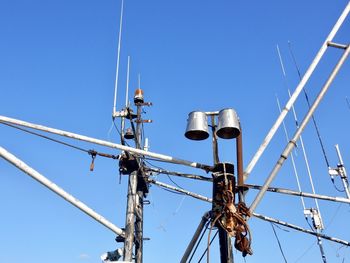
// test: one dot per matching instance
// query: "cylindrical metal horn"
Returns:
(197, 126)
(228, 126)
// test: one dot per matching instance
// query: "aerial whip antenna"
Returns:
(309, 105)
(122, 134)
(315, 214)
(118, 59)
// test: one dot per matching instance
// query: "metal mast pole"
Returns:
(140, 194)
(226, 255)
(130, 217)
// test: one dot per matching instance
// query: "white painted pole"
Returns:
(71, 135)
(59, 191)
(296, 93)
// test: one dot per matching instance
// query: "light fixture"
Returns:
(228, 126)
(197, 126)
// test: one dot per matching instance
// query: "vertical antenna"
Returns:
(302, 144)
(127, 83)
(292, 156)
(118, 59)
(308, 103)
(122, 138)
(315, 215)
(139, 80)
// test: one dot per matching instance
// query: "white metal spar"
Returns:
(59, 191)
(290, 146)
(296, 93)
(71, 135)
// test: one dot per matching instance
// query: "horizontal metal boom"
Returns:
(71, 135)
(59, 191)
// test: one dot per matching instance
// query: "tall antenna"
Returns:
(139, 80)
(292, 156)
(118, 60)
(315, 214)
(308, 103)
(127, 84)
(122, 135)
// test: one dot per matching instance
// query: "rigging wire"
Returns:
(119, 132)
(305, 252)
(46, 137)
(206, 250)
(302, 141)
(90, 152)
(292, 155)
(279, 243)
(167, 175)
(199, 241)
(159, 170)
(309, 105)
(171, 191)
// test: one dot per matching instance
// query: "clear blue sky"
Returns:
(57, 68)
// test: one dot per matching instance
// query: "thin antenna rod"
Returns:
(301, 138)
(118, 60)
(127, 84)
(297, 91)
(308, 103)
(290, 146)
(139, 80)
(122, 138)
(292, 156)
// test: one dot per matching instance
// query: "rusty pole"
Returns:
(240, 181)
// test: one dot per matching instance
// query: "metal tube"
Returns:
(343, 175)
(59, 191)
(336, 45)
(195, 237)
(130, 217)
(104, 143)
(200, 197)
(297, 134)
(287, 138)
(214, 140)
(297, 193)
(297, 91)
(272, 220)
(190, 176)
(240, 181)
(269, 219)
